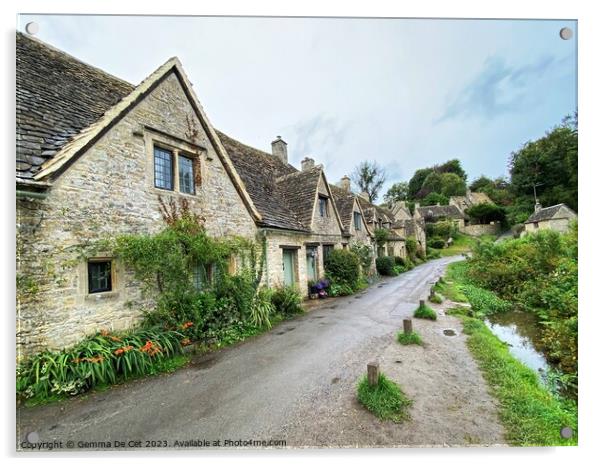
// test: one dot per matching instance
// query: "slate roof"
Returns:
(440, 211)
(259, 172)
(372, 210)
(57, 96)
(344, 201)
(547, 213)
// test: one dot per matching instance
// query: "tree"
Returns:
(397, 192)
(485, 213)
(547, 166)
(452, 166)
(452, 185)
(498, 189)
(434, 199)
(369, 177)
(416, 182)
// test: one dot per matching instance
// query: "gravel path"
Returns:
(297, 384)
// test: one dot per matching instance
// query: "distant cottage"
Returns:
(557, 217)
(95, 157)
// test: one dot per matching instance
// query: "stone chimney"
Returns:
(537, 205)
(307, 164)
(364, 195)
(279, 150)
(345, 183)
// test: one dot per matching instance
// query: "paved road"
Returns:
(246, 392)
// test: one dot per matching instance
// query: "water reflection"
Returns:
(521, 332)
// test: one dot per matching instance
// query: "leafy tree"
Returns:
(369, 177)
(497, 189)
(434, 199)
(485, 213)
(416, 182)
(452, 166)
(452, 185)
(549, 166)
(397, 192)
(432, 184)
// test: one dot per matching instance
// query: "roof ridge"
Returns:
(73, 57)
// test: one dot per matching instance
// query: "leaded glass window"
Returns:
(163, 169)
(186, 170)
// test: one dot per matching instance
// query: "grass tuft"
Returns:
(436, 298)
(425, 312)
(531, 415)
(385, 400)
(409, 339)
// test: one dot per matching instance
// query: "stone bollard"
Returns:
(407, 326)
(373, 374)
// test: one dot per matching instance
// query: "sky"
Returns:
(406, 93)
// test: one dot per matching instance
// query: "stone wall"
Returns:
(479, 230)
(557, 224)
(110, 191)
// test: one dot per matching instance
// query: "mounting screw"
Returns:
(32, 28)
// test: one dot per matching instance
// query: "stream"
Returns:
(520, 331)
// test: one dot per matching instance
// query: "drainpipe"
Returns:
(265, 257)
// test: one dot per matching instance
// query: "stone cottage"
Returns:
(436, 213)
(94, 155)
(98, 157)
(470, 199)
(557, 217)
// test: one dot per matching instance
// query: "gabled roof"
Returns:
(345, 202)
(373, 212)
(84, 136)
(440, 211)
(57, 97)
(547, 213)
(259, 172)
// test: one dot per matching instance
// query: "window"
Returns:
(186, 173)
(326, 250)
(357, 220)
(323, 206)
(203, 275)
(99, 276)
(163, 169)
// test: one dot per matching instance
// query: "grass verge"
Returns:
(531, 415)
(425, 312)
(386, 400)
(409, 338)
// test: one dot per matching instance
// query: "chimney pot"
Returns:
(537, 206)
(279, 150)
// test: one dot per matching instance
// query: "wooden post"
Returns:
(407, 326)
(421, 303)
(373, 374)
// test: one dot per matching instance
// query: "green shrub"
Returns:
(287, 300)
(411, 247)
(484, 302)
(364, 253)
(442, 229)
(409, 338)
(102, 359)
(385, 400)
(436, 298)
(425, 312)
(262, 308)
(340, 289)
(342, 267)
(385, 266)
(436, 243)
(432, 253)
(399, 261)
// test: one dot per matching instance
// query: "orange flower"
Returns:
(150, 348)
(114, 338)
(122, 350)
(186, 325)
(104, 333)
(95, 360)
(186, 342)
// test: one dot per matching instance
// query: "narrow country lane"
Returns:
(297, 384)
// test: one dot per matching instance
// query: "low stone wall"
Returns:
(479, 230)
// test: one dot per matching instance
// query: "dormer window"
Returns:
(357, 220)
(323, 200)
